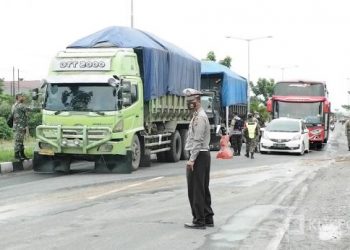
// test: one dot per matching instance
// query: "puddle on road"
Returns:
(239, 227)
(329, 232)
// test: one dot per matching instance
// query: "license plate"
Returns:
(46, 151)
(279, 145)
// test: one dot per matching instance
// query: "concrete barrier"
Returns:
(7, 167)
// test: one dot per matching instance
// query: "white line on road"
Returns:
(124, 188)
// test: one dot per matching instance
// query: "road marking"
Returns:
(124, 188)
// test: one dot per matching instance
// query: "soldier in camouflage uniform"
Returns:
(347, 131)
(251, 131)
(20, 124)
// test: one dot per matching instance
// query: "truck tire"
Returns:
(174, 154)
(146, 158)
(185, 154)
(51, 164)
(161, 157)
(136, 153)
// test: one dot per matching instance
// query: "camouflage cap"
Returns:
(19, 94)
(191, 94)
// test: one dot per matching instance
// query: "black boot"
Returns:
(247, 155)
(18, 156)
(23, 155)
(252, 155)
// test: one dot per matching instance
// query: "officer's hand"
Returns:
(189, 165)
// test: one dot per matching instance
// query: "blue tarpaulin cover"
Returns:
(167, 69)
(233, 87)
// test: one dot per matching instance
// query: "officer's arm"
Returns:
(198, 137)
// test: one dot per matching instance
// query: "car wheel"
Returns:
(302, 149)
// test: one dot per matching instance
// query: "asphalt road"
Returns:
(276, 201)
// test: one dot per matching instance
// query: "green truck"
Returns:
(113, 105)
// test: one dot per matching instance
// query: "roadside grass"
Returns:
(6, 149)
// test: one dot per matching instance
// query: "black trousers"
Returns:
(198, 189)
(236, 143)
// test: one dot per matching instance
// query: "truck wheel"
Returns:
(161, 157)
(136, 153)
(146, 158)
(185, 154)
(174, 154)
(51, 164)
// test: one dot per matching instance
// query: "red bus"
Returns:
(307, 100)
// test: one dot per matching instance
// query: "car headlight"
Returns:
(297, 137)
(265, 136)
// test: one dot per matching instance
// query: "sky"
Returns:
(310, 38)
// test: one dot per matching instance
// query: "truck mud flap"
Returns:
(114, 163)
(50, 164)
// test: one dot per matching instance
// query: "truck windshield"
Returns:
(207, 103)
(310, 112)
(80, 97)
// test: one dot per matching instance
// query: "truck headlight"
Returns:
(119, 127)
(76, 142)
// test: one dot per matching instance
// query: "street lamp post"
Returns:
(132, 14)
(248, 40)
(283, 68)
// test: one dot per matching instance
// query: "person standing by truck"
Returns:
(236, 134)
(251, 131)
(20, 125)
(347, 131)
(198, 165)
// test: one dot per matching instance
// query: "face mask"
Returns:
(191, 105)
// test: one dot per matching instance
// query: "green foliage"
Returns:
(1, 86)
(346, 107)
(226, 61)
(5, 131)
(35, 119)
(211, 56)
(263, 89)
(5, 109)
(257, 106)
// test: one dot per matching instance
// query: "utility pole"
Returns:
(13, 90)
(132, 13)
(18, 80)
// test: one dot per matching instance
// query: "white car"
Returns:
(285, 135)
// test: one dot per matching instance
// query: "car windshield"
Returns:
(80, 97)
(283, 126)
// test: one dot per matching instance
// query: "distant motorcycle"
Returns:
(332, 126)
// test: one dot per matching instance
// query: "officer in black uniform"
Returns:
(198, 166)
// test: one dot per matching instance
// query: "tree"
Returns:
(263, 89)
(346, 107)
(226, 61)
(1, 86)
(211, 56)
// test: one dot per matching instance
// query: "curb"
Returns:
(7, 167)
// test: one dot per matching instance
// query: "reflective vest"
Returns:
(251, 126)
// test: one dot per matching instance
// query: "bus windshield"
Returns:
(312, 113)
(300, 89)
(80, 97)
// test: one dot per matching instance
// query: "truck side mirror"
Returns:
(126, 99)
(35, 94)
(126, 87)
